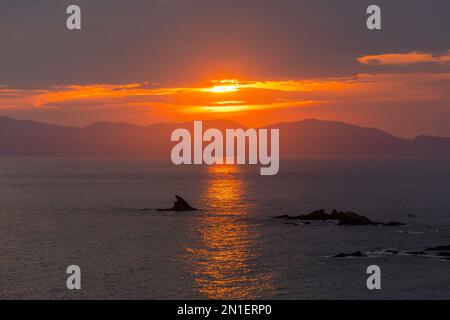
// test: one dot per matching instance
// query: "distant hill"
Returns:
(329, 138)
(302, 138)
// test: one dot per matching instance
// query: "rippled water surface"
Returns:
(58, 212)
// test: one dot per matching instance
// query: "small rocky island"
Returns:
(179, 205)
(440, 252)
(348, 218)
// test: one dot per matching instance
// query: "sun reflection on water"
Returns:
(225, 251)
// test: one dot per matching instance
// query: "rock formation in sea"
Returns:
(343, 217)
(179, 205)
(357, 254)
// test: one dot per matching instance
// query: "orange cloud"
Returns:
(404, 58)
(250, 102)
(220, 95)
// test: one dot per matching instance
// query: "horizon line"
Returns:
(220, 120)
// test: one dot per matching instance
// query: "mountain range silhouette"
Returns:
(297, 139)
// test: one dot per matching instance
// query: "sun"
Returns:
(224, 86)
(224, 89)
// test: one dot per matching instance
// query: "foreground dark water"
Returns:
(58, 212)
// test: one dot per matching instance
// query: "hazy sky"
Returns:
(146, 61)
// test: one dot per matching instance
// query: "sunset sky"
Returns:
(256, 62)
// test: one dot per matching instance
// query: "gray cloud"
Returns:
(185, 40)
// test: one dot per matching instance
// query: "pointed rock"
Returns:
(179, 205)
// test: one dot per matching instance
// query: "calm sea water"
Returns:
(59, 212)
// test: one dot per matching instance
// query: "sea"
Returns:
(58, 212)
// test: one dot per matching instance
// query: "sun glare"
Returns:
(223, 89)
(224, 86)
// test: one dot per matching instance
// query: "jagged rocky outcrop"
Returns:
(343, 217)
(439, 248)
(357, 254)
(179, 205)
(439, 252)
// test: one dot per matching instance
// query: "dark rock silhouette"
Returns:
(439, 252)
(353, 219)
(345, 218)
(357, 254)
(439, 248)
(392, 224)
(179, 205)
